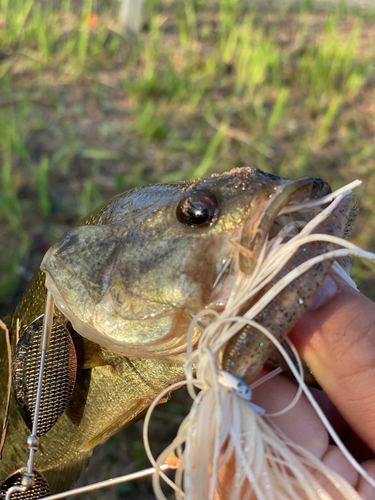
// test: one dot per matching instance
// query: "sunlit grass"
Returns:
(88, 111)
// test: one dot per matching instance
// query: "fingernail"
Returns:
(325, 292)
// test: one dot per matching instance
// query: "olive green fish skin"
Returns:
(163, 267)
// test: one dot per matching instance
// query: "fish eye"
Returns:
(197, 208)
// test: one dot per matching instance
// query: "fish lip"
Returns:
(254, 233)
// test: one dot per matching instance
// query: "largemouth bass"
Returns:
(127, 282)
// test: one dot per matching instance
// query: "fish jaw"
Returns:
(132, 279)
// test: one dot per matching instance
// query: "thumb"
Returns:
(336, 338)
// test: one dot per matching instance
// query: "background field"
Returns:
(87, 111)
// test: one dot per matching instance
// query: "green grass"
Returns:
(87, 111)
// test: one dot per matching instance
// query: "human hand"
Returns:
(336, 337)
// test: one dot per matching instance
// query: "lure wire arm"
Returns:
(28, 479)
(108, 482)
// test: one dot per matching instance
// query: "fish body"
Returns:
(127, 281)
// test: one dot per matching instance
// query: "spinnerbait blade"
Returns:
(58, 376)
(42, 385)
(39, 490)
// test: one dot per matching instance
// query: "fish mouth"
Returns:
(256, 230)
(266, 217)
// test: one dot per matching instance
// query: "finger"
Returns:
(336, 461)
(366, 491)
(337, 340)
(301, 424)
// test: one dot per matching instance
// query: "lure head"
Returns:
(137, 269)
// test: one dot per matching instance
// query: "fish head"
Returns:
(132, 275)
